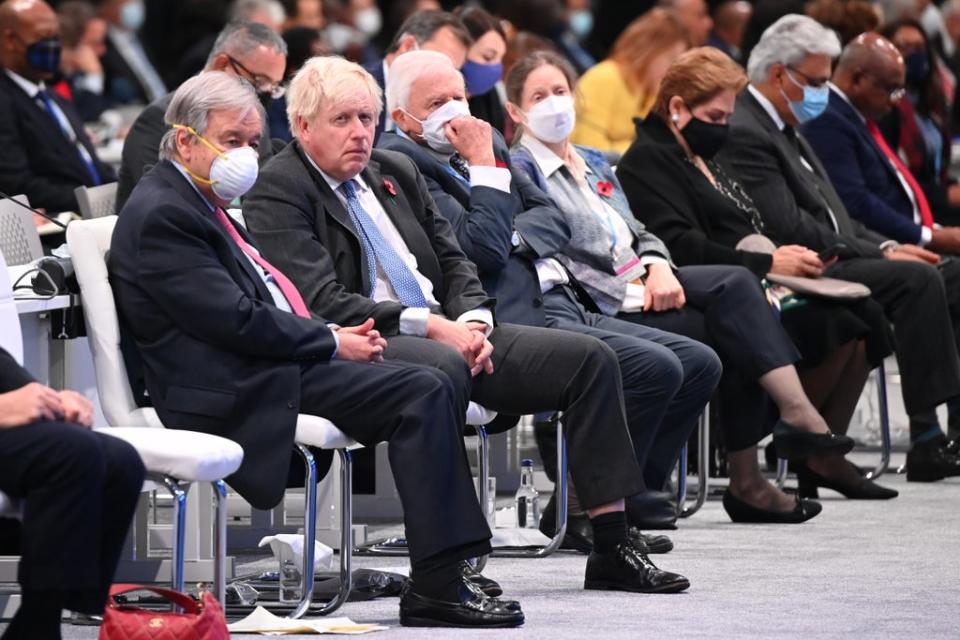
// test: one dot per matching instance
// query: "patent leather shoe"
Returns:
(931, 461)
(796, 444)
(808, 481)
(473, 608)
(579, 534)
(629, 569)
(743, 512)
(490, 587)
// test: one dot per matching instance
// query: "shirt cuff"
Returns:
(926, 235)
(648, 259)
(494, 177)
(92, 82)
(889, 245)
(333, 330)
(550, 273)
(413, 321)
(480, 314)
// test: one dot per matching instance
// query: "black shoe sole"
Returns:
(603, 585)
(663, 547)
(418, 621)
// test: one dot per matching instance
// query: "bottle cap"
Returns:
(526, 462)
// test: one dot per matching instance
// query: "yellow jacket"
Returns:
(606, 107)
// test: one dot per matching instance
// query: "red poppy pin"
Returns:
(605, 188)
(392, 190)
(501, 164)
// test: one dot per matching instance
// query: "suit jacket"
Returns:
(305, 230)
(141, 148)
(484, 220)
(218, 356)
(860, 172)
(376, 70)
(12, 375)
(794, 204)
(36, 158)
(120, 82)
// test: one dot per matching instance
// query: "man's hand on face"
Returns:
(473, 139)
(467, 339)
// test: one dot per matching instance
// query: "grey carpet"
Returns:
(883, 570)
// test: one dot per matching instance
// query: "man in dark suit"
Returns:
(44, 151)
(799, 205)
(230, 348)
(427, 30)
(248, 50)
(505, 225)
(129, 74)
(70, 479)
(361, 237)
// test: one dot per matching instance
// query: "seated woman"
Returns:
(723, 306)
(483, 69)
(702, 213)
(71, 480)
(623, 86)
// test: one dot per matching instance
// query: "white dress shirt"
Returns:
(413, 320)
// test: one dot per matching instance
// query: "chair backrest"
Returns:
(96, 202)
(10, 337)
(89, 243)
(19, 240)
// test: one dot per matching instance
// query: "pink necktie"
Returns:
(286, 287)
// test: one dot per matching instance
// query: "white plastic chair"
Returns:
(96, 202)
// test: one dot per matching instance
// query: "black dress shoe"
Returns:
(648, 542)
(930, 461)
(808, 481)
(740, 511)
(652, 510)
(629, 569)
(952, 448)
(796, 444)
(473, 608)
(579, 535)
(488, 586)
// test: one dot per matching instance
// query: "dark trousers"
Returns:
(667, 379)
(419, 413)
(539, 370)
(80, 492)
(924, 307)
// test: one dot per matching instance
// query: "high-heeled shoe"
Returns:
(796, 444)
(808, 480)
(740, 511)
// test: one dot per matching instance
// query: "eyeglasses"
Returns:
(816, 84)
(894, 92)
(261, 83)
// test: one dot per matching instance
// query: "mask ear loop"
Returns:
(209, 144)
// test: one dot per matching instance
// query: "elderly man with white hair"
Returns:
(789, 73)
(230, 347)
(361, 237)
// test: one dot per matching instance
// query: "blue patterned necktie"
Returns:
(377, 249)
(71, 137)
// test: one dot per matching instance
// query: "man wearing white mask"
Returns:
(130, 76)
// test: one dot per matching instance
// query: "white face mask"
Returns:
(433, 131)
(552, 119)
(368, 21)
(233, 171)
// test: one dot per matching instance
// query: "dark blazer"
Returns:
(36, 158)
(679, 205)
(484, 220)
(307, 233)
(120, 83)
(860, 172)
(141, 148)
(12, 375)
(794, 204)
(376, 70)
(218, 356)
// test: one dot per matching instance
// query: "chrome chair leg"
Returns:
(309, 531)
(220, 541)
(703, 470)
(178, 545)
(483, 460)
(782, 466)
(346, 535)
(885, 445)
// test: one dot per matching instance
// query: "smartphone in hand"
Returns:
(832, 252)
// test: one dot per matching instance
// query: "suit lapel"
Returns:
(854, 119)
(395, 204)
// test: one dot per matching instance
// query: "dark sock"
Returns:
(609, 531)
(929, 435)
(38, 617)
(440, 581)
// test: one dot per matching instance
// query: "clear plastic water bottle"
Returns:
(527, 500)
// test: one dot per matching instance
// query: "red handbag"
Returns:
(199, 621)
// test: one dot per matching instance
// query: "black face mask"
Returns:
(704, 138)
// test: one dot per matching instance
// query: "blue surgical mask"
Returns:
(481, 78)
(581, 23)
(132, 15)
(44, 55)
(814, 101)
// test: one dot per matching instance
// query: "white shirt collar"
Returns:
(840, 93)
(333, 182)
(548, 161)
(767, 106)
(31, 88)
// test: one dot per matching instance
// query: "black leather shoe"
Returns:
(808, 481)
(952, 448)
(796, 444)
(473, 609)
(652, 510)
(740, 511)
(930, 461)
(629, 569)
(490, 587)
(648, 542)
(579, 535)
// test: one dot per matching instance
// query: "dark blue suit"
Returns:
(860, 172)
(376, 70)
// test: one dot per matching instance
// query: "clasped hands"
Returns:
(35, 402)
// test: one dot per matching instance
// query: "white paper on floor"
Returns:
(288, 544)
(265, 623)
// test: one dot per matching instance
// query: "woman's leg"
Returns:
(834, 386)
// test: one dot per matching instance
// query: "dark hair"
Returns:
(73, 16)
(932, 101)
(300, 41)
(526, 65)
(423, 25)
(479, 22)
(849, 18)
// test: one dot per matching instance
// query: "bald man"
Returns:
(44, 152)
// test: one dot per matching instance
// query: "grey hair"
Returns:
(407, 69)
(246, 9)
(197, 97)
(239, 39)
(788, 41)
